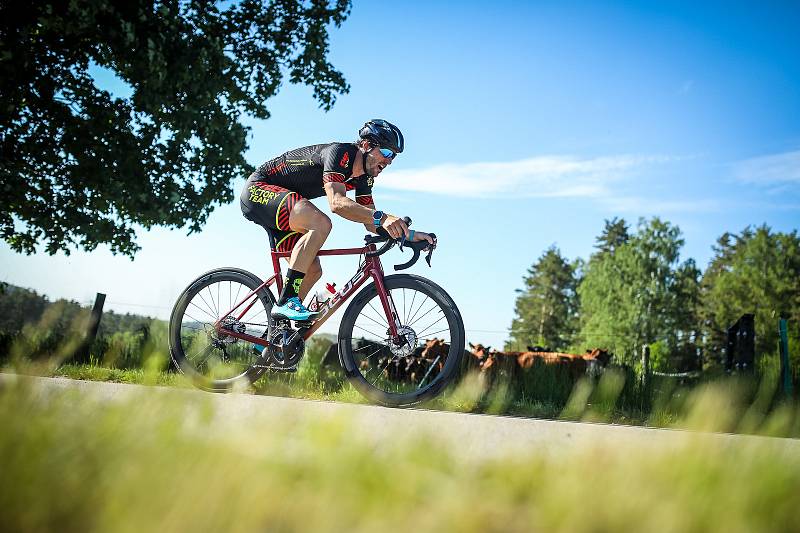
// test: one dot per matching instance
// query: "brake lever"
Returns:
(430, 249)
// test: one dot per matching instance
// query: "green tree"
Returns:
(757, 271)
(546, 308)
(638, 293)
(81, 166)
(615, 234)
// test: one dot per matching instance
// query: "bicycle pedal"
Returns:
(303, 323)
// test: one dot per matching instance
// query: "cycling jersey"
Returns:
(307, 169)
(277, 185)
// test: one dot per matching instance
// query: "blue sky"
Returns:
(527, 125)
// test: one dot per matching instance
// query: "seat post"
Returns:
(277, 267)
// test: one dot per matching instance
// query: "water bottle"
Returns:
(321, 297)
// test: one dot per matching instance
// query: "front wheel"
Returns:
(417, 365)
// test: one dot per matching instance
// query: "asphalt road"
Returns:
(469, 435)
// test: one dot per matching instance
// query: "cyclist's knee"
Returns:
(325, 225)
(321, 225)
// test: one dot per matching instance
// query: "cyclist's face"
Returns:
(376, 162)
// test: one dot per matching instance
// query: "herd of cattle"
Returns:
(429, 359)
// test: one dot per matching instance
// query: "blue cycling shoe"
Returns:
(293, 309)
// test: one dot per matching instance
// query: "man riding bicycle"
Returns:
(277, 195)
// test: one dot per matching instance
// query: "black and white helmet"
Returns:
(384, 134)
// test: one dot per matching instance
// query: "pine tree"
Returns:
(546, 308)
(615, 234)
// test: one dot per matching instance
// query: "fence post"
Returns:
(646, 365)
(91, 330)
(786, 375)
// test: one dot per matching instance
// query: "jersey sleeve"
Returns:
(364, 190)
(337, 162)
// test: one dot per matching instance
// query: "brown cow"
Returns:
(477, 356)
(502, 364)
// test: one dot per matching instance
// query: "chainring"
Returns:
(285, 350)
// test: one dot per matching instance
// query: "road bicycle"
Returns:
(400, 341)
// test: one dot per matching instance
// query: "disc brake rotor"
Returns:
(405, 348)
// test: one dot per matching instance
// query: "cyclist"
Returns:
(277, 195)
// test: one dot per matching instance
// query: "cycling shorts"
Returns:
(269, 207)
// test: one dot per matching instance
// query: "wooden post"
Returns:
(91, 330)
(786, 374)
(646, 365)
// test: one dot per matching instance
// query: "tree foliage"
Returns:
(637, 292)
(757, 271)
(81, 166)
(546, 309)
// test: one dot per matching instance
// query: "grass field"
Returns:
(540, 392)
(70, 463)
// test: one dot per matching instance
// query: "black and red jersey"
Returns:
(306, 170)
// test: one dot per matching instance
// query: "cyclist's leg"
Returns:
(312, 276)
(315, 227)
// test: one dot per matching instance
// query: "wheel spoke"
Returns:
(388, 361)
(370, 355)
(385, 323)
(214, 318)
(441, 330)
(410, 307)
(375, 321)
(236, 298)
(418, 309)
(426, 312)
(367, 331)
(209, 307)
(205, 354)
(419, 334)
(433, 365)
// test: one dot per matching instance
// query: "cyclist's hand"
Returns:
(396, 227)
(422, 236)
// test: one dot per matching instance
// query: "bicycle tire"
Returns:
(178, 336)
(353, 366)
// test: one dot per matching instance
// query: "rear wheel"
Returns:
(213, 360)
(417, 365)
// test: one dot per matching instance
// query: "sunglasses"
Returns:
(388, 154)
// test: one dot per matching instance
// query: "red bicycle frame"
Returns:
(369, 268)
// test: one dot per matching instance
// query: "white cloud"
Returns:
(641, 205)
(538, 177)
(770, 169)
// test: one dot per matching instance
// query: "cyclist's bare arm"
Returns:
(352, 210)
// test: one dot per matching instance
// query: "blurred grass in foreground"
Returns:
(163, 463)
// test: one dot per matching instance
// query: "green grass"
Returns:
(542, 391)
(155, 463)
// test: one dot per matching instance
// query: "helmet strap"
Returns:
(364, 160)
